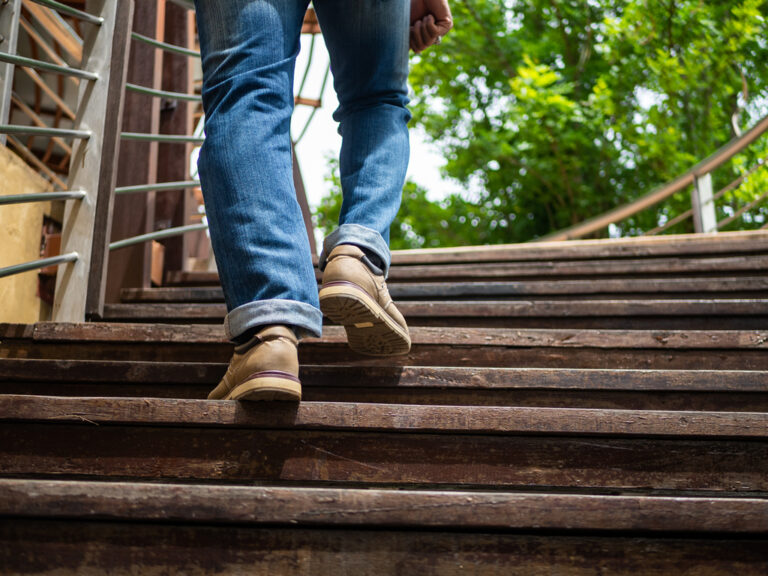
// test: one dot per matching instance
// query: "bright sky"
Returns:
(322, 140)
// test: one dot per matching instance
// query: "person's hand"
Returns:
(430, 21)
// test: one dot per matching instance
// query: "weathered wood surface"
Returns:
(568, 461)
(381, 508)
(205, 334)
(685, 287)
(390, 417)
(671, 267)
(682, 244)
(101, 371)
(452, 311)
(48, 547)
(614, 349)
(717, 390)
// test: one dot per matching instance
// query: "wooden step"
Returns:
(502, 511)
(61, 546)
(637, 314)
(353, 443)
(567, 388)
(745, 242)
(691, 288)
(669, 267)
(487, 347)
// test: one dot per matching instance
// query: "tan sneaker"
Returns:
(264, 368)
(353, 296)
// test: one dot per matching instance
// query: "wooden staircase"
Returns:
(580, 408)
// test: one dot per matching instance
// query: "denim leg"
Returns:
(249, 50)
(368, 44)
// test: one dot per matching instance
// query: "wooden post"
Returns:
(704, 219)
(131, 267)
(86, 226)
(175, 118)
(9, 34)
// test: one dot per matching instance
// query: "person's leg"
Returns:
(262, 251)
(368, 45)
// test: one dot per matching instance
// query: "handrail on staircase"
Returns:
(702, 200)
(95, 134)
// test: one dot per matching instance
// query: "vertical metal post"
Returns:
(9, 35)
(703, 204)
(87, 224)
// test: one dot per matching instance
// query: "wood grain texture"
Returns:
(293, 457)
(685, 287)
(550, 338)
(380, 508)
(449, 312)
(48, 547)
(390, 417)
(131, 372)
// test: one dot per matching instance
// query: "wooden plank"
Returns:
(100, 371)
(377, 417)
(441, 311)
(53, 24)
(108, 167)
(630, 349)
(690, 287)
(551, 398)
(204, 334)
(175, 118)
(737, 391)
(303, 457)
(671, 267)
(138, 160)
(47, 547)
(690, 244)
(380, 508)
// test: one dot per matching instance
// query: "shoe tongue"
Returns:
(277, 331)
(346, 250)
(268, 333)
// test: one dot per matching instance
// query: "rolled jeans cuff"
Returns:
(359, 236)
(305, 319)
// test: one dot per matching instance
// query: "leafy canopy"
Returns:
(553, 111)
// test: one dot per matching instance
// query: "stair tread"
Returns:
(484, 309)
(58, 370)
(501, 288)
(376, 417)
(597, 338)
(471, 510)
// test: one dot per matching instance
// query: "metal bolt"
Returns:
(2, 38)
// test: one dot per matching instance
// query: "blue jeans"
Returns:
(249, 50)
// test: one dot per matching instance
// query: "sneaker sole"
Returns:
(370, 330)
(266, 389)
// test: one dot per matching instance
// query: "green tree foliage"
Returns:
(557, 110)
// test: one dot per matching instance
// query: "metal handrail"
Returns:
(742, 210)
(165, 46)
(42, 197)
(64, 9)
(37, 131)
(664, 191)
(167, 233)
(37, 264)
(159, 187)
(162, 138)
(47, 66)
(163, 93)
(722, 192)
